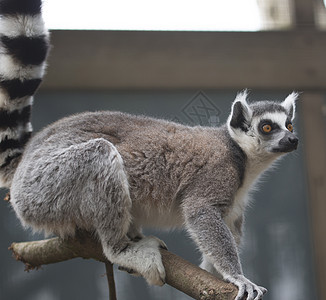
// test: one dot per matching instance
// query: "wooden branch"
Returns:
(111, 282)
(180, 273)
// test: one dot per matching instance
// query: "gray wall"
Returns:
(276, 252)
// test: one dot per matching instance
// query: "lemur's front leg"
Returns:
(213, 237)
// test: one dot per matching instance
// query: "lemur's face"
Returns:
(274, 132)
(263, 128)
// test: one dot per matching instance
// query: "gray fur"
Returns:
(113, 173)
(262, 107)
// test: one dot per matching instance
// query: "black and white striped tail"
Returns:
(24, 44)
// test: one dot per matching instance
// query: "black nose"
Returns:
(294, 140)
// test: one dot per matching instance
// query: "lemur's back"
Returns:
(153, 151)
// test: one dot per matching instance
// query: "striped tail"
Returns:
(24, 44)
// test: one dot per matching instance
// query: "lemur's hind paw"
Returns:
(246, 287)
(151, 266)
(142, 258)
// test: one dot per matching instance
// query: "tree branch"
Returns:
(180, 273)
(111, 283)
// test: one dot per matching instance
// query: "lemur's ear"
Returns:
(241, 113)
(289, 104)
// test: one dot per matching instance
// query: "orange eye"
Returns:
(290, 127)
(267, 128)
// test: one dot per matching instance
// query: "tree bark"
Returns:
(180, 273)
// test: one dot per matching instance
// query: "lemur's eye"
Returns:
(267, 128)
(290, 127)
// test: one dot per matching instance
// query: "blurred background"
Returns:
(185, 61)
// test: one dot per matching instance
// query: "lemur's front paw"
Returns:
(253, 291)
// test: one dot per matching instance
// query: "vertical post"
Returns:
(315, 152)
(304, 14)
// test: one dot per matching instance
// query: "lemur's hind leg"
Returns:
(129, 248)
(85, 186)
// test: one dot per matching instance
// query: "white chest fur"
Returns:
(239, 205)
(254, 170)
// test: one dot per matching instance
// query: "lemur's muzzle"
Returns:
(288, 143)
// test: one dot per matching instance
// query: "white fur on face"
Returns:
(269, 143)
(251, 141)
(276, 117)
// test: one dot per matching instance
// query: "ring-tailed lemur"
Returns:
(113, 173)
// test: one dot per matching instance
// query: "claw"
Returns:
(246, 288)
(162, 245)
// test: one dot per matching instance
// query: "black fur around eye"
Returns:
(289, 127)
(267, 127)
